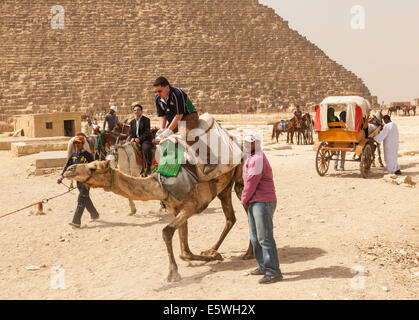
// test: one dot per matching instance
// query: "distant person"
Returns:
(173, 105)
(298, 113)
(111, 119)
(259, 199)
(87, 126)
(389, 136)
(141, 135)
(342, 154)
(83, 201)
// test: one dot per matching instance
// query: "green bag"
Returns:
(171, 159)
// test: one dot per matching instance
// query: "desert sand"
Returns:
(338, 236)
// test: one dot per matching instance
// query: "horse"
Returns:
(392, 110)
(406, 110)
(105, 139)
(413, 109)
(308, 128)
(279, 128)
(373, 123)
(296, 124)
(122, 128)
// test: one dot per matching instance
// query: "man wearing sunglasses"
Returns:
(173, 105)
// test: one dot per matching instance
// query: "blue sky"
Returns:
(385, 54)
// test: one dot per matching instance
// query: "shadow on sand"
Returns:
(286, 255)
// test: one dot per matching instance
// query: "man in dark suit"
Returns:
(140, 133)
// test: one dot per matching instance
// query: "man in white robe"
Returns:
(390, 137)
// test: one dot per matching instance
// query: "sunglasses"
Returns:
(159, 91)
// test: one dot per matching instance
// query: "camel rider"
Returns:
(173, 105)
(83, 201)
(111, 119)
(141, 135)
(298, 112)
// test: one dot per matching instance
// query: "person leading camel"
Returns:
(173, 105)
(140, 134)
(259, 198)
(83, 201)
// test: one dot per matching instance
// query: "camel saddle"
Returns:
(140, 157)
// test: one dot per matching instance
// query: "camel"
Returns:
(124, 158)
(99, 174)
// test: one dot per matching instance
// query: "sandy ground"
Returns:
(338, 237)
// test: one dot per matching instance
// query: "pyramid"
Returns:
(227, 55)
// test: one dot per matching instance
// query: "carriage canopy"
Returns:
(356, 108)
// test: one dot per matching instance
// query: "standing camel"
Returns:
(99, 174)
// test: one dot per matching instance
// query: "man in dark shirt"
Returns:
(111, 119)
(140, 134)
(173, 105)
(83, 201)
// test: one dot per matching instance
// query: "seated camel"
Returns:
(99, 174)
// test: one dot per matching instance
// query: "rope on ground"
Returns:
(39, 203)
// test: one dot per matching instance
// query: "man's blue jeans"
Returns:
(262, 238)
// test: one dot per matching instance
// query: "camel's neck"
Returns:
(143, 189)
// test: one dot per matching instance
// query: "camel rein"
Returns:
(39, 203)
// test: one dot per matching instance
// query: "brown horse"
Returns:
(308, 128)
(122, 128)
(406, 110)
(296, 125)
(413, 109)
(105, 139)
(279, 128)
(392, 110)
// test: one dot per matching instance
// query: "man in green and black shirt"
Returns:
(173, 105)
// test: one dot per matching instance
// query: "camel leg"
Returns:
(168, 233)
(185, 253)
(238, 189)
(228, 210)
(132, 207)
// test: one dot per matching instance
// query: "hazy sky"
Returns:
(385, 54)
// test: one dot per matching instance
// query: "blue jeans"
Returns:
(262, 238)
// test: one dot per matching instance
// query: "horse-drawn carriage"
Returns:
(350, 135)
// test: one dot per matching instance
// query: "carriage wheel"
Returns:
(322, 160)
(366, 161)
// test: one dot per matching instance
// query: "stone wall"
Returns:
(227, 55)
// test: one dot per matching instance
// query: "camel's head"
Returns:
(95, 174)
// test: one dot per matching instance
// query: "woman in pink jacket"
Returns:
(259, 198)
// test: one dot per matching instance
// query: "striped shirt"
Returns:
(178, 103)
